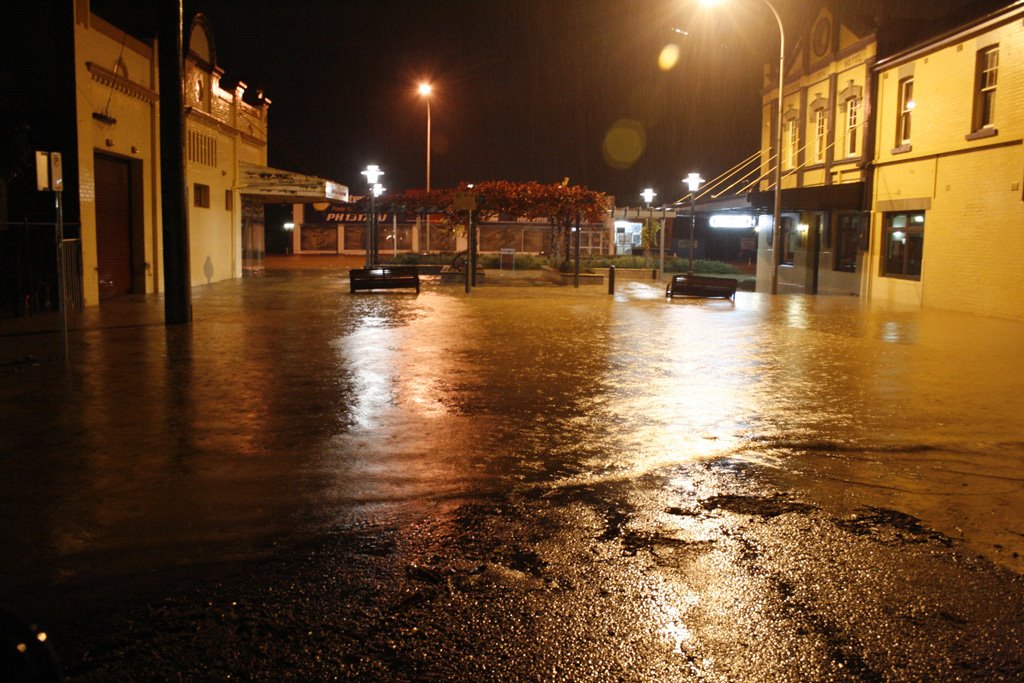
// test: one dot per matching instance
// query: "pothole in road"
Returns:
(892, 528)
(760, 506)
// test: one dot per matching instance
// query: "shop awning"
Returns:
(845, 196)
(276, 185)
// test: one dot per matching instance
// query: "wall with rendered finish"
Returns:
(968, 184)
(116, 79)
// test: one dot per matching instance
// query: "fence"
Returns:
(28, 270)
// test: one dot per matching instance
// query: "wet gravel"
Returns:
(598, 583)
(527, 484)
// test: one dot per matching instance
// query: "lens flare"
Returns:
(669, 57)
(624, 143)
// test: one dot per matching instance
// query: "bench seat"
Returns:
(384, 277)
(701, 286)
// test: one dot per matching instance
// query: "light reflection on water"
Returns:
(293, 405)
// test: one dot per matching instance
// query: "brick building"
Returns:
(948, 220)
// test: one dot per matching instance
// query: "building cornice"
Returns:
(226, 128)
(966, 32)
(121, 84)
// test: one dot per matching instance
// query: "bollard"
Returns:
(654, 273)
(611, 279)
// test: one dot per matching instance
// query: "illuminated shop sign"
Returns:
(732, 221)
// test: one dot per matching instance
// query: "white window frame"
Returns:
(988, 80)
(903, 124)
(793, 136)
(820, 134)
(853, 116)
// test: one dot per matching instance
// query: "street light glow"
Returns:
(373, 174)
(425, 89)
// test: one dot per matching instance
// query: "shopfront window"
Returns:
(790, 241)
(904, 245)
(848, 237)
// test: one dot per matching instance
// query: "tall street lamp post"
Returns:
(649, 195)
(777, 210)
(373, 174)
(693, 182)
(425, 90)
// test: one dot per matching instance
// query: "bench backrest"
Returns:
(384, 272)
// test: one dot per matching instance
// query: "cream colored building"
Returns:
(948, 223)
(826, 111)
(118, 150)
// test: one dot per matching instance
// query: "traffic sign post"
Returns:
(50, 177)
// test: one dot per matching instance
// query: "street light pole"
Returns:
(425, 90)
(693, 182)
(649, 196)
(777, 210)
(373, 174)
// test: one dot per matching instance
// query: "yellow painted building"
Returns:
(826, 109)
(117, 156)
(948, 206)
(119, 159)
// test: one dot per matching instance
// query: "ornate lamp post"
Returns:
(373, 174)
(693, 182)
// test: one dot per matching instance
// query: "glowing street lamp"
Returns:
(425, 90)
(777, 210)
(693, 182)
(373, 174)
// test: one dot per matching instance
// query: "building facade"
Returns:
(104, 118)
(825, 157)
(948, 203)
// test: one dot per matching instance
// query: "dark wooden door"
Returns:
(113, 225)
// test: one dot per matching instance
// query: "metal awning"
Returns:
(276, 185)
(845, 196)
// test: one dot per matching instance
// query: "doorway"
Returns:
(120, 248)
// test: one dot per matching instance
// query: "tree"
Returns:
(562, 205)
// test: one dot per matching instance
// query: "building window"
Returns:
(906, 109)
(229, 200)
(201, 195)
(202, 149)
(848, 240)
(793, 134)
(853, 115)
(904, 245)
(820, 135)
(790, 238)
(985, 94)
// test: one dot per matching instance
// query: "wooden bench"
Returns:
(384, 277)
(702, 286)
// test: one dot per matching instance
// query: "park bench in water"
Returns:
(701, 286)
(384, 277)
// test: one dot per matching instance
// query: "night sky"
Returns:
(524, 90)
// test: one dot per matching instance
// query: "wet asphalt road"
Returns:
(533, 483)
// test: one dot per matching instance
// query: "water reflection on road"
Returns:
(292, 406)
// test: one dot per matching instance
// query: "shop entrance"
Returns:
(120, 249)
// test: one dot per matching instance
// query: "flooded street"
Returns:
(531, 482)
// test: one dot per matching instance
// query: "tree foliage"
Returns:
(561, 205)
